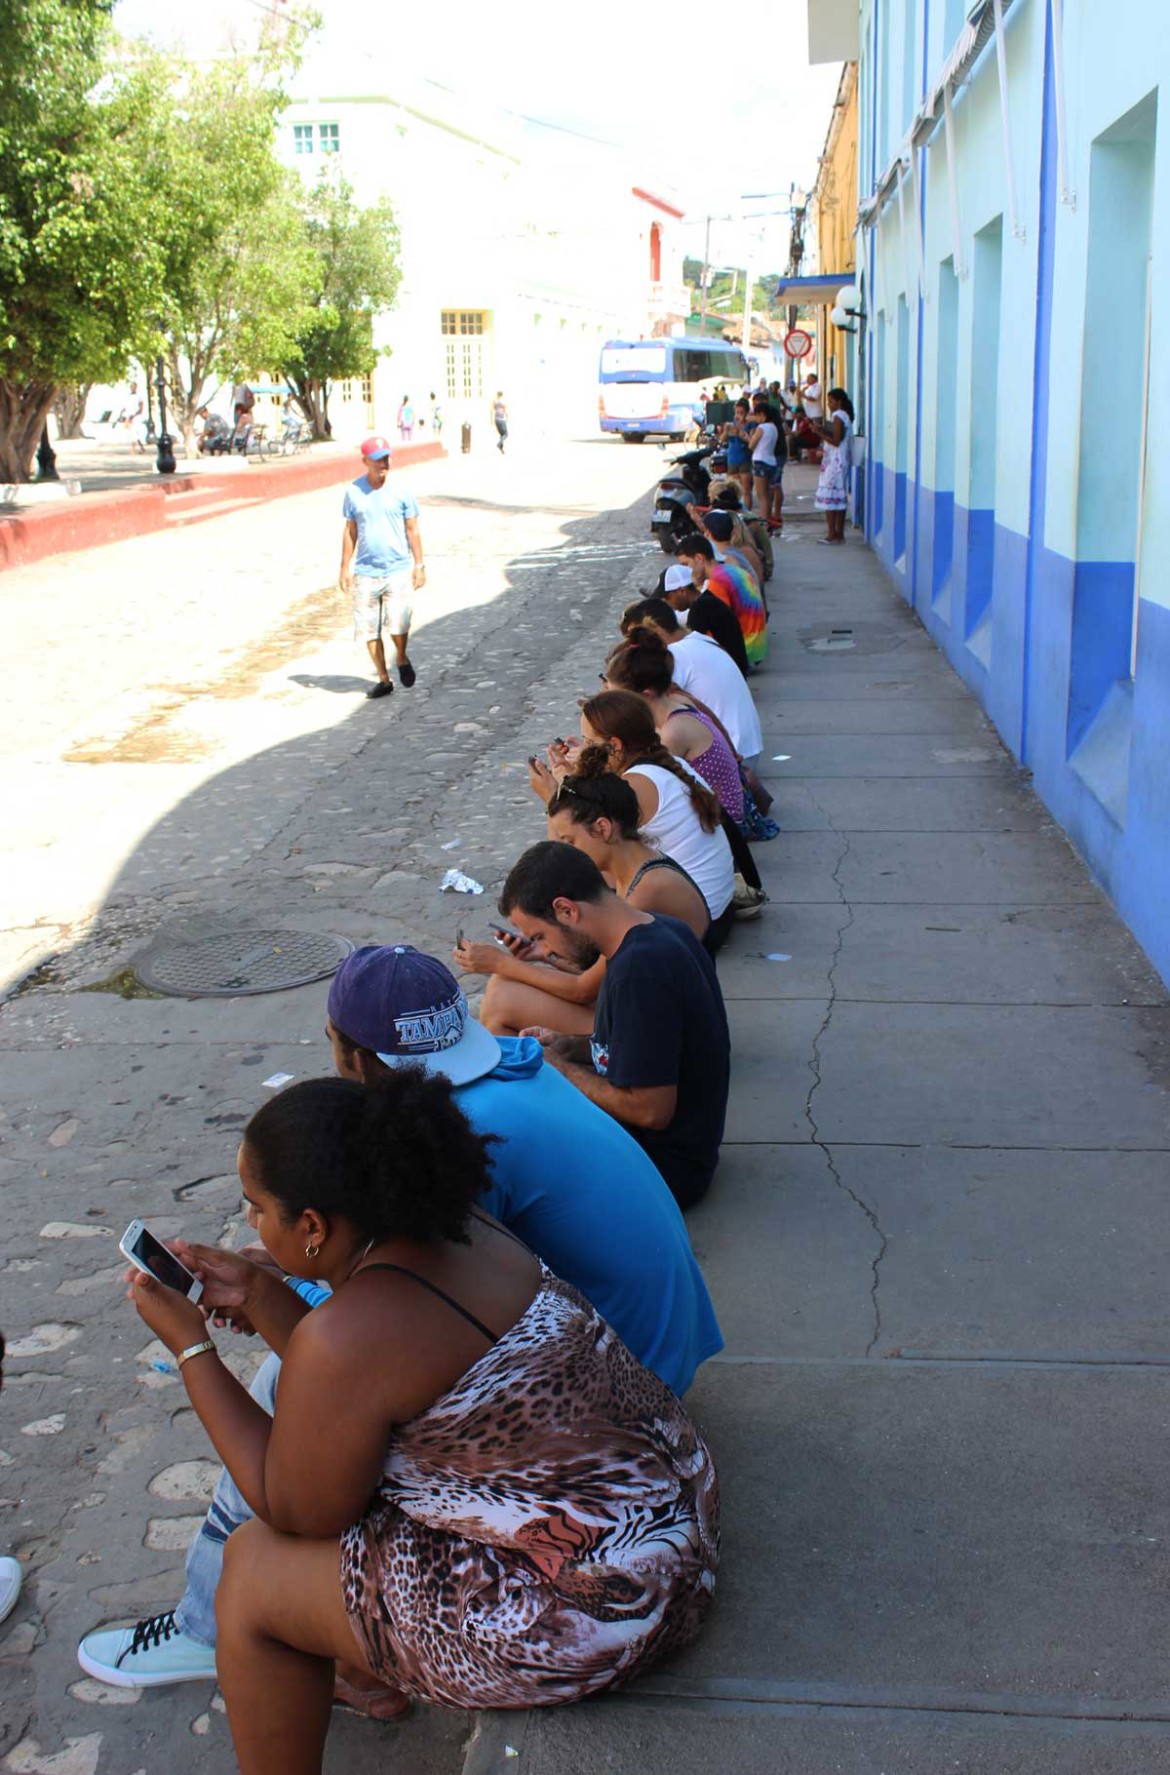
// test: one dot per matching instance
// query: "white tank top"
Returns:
(678, 833)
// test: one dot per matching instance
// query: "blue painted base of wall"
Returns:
(1099, 751)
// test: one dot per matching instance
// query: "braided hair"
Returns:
(621, 715)
(395, 1158)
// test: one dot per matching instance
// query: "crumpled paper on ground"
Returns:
(455, 882)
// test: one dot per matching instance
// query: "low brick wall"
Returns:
(89, 519)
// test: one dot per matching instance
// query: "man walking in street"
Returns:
(659, 1058)
(381, 563)
(500, 418)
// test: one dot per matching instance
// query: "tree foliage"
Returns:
(78, 266)
(237, 266)
(356, 277)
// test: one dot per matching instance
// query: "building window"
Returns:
(303, 138)
(347, 391)
(367, 389)
(467, 323)
(329, 137)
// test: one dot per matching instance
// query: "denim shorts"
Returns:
(768, 472)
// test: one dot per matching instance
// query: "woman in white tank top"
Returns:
(678, 812)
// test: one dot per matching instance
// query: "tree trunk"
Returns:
(69, 408)
(24, 407)
(313, 400)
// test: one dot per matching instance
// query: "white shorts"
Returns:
(382, 606)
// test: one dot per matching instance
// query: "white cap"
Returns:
(677, 577)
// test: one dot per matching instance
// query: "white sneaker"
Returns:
(11, 1575)
(146, 1656)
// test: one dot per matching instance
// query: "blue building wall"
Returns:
(1017, 368)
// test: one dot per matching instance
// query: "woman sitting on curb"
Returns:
(505, 1511)
(598, 815)
(676, 810)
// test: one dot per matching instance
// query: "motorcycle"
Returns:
(690, 486)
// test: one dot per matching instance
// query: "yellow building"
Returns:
(834, 208)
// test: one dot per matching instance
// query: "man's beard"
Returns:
(583, 952)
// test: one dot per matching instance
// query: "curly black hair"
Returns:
(396, 1158)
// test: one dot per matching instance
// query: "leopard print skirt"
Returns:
(547, 1529)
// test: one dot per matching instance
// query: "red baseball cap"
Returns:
(375, 448)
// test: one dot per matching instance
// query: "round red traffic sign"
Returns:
(798, 343)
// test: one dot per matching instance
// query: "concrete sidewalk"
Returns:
(938, 1246)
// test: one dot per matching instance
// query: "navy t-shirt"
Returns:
(660, 1021)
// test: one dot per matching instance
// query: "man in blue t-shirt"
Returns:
(381, 563)
(565, 1178)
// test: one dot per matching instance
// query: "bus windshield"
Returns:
(647, 362)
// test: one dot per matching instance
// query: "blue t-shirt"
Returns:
(380, 515)
(581, 1193)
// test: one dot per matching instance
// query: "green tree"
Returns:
(356, 279)
(237, 265)
(78, 268)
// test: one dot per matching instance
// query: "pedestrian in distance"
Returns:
(739, 457)
(436, 415)
(765, 443)
(832, 496)
(406, 420)
(381, 563)
(659, 1057)
(500, 420)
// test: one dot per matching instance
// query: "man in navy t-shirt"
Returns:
(381, 563)
(659, 1056)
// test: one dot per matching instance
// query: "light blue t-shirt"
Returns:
(582, 1194)
(380, 515)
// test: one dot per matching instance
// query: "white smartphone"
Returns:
(150, 1255)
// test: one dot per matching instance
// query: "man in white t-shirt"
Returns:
(703, 669)
(810, 400)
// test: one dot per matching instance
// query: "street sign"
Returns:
(798, 343)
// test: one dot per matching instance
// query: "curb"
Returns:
(91, 519)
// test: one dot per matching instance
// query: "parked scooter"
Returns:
(689, 486)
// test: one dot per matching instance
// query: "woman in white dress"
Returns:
(833, 486)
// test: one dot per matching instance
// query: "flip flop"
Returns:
(383, 1703)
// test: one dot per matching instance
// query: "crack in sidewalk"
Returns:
(814, 1066)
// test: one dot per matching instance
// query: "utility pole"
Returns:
(706, 276)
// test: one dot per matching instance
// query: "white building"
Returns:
(522, 248)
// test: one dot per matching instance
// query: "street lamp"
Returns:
(165, 460)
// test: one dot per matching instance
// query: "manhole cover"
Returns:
(237, 963)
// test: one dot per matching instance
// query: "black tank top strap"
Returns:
(662, 863)
(498, 1226)
(442, 1294)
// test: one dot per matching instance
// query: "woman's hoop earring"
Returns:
(312, 1250)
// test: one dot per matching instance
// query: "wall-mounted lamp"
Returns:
(847, 308)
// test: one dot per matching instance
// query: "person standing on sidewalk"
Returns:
(381, 563)
(833, 486)
(500, 419)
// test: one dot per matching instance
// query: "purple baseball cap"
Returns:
(410, 1011)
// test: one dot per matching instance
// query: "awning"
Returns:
(820, 290)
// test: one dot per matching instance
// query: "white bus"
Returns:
(660, 387)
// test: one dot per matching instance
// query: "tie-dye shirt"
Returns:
(734, 586)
